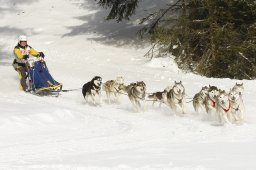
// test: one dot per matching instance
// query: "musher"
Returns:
(22, 51)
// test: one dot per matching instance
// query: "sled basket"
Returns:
(40, 79)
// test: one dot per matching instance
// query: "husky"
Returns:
(92, 89)
(176, 97)
(238, 88)
(111, 88)
(158, 97)
(136, 93)
(125, 88)
(223, 108)
(237, 106)
(199, 98)
(210, 100)
(168, 88)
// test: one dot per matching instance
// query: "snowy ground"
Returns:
(64, 133)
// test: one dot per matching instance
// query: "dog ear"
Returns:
(242, 84)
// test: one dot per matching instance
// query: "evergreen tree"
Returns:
(120, 9)
(215, 38)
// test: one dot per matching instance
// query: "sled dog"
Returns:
(168, 88)
(126, 88)
(199, 98)
(158, 97)
(92, 89)
(111, 88)
(210, 100)
(223, 108)
(237, 106)
(136, 93)
(176, 97)
(238, 88)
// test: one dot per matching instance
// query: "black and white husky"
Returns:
(158, 97)
(199, 98)
(176, 97)
(136, 93)
(210, 101)
(92, 89)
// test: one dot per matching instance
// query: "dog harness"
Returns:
(173, 95)
(213, 103)
(97, 89)
(179, 100)
(226, 110)
(236, 109)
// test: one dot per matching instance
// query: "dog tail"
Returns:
(83, 91)
(151, 96)
(195, 105)
(84, 94)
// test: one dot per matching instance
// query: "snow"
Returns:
(65, 133)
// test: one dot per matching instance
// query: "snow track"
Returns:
(68, 131)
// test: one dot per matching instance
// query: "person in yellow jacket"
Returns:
(22, 51)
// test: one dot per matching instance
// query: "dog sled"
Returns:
(40, 81)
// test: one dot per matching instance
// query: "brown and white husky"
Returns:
(111, 87)
(176, 98)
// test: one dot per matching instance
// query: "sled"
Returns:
(40, 80)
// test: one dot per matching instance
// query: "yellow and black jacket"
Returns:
(20, 52)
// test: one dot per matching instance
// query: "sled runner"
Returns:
(40, 80)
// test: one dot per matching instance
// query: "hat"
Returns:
(22, 38)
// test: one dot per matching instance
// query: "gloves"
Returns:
(25, 57)
(41, 54)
